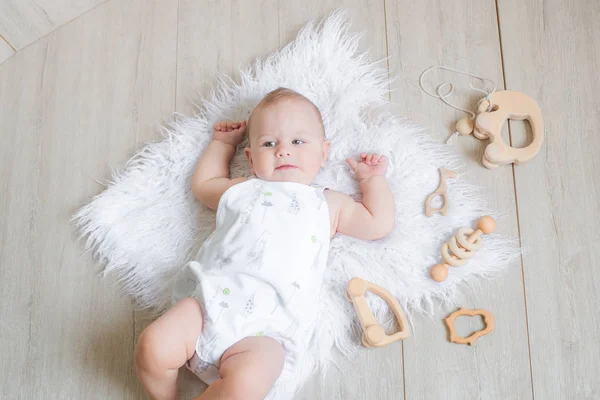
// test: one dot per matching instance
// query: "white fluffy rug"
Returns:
(146, 224)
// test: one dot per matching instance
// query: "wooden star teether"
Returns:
(463, 246)
(488, 320)
(373, 333)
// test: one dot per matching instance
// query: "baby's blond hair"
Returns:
(279, 94)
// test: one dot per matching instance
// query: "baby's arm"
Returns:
(211, 176)
(374, 218)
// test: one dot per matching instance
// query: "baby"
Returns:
(244, 311)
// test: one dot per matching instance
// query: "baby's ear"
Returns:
(248, 154)
(326, 147)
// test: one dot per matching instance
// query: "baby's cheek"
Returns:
(268, 167)
(317, 160)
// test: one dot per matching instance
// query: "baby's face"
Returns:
(287, 142)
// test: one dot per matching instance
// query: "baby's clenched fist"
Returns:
(230, 132)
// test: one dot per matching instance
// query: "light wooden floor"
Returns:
(83, 98)
(23, 22)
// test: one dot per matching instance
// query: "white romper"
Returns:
(260, 272)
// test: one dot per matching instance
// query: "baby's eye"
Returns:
(269, 144)
(297, 141)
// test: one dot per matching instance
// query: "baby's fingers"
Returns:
(233, 125)
(353, 164)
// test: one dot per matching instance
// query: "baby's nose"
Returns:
(283, 151)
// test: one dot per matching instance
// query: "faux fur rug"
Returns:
(146, 224)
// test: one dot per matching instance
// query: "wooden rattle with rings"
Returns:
(461, 247)
(493, 111)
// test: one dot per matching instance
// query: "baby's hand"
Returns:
(230, 132)
(369, 165)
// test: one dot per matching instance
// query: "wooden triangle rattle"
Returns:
(373, 333)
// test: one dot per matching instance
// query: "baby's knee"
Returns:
(170, 340)
(144, 351)
(151, 356)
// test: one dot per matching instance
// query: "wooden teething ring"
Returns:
(508, 104)
(488, 320)
(373, 333)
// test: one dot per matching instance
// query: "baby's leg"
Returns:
(248, 370)
(165, 345)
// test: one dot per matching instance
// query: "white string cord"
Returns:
(444, 97)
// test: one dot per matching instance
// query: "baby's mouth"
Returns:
(286, 167)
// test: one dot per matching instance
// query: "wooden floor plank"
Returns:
(6, 50)
(461, 35)
(552, 53)
(231, 35)
(74, 105)
(25, 21)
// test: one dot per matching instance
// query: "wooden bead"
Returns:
(487, 224)
(484, 105)
(439, 272)
(465, 126)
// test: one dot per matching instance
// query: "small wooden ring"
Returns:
(449, 259)
(461, 252)
(488, 320)
(463, 239)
